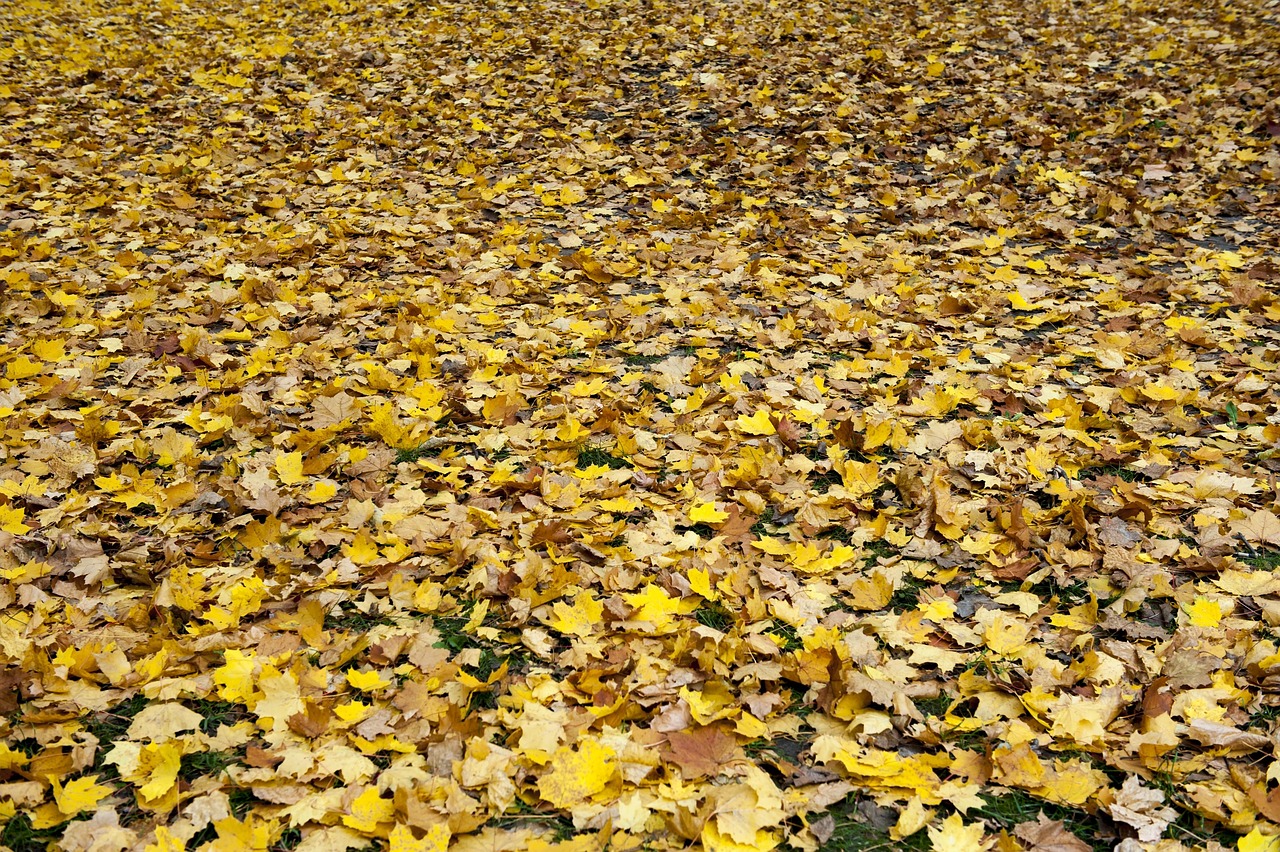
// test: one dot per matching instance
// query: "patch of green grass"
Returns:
(1262, 560)
(1262, 717)
(287, 841)
(790, 640)
(110, 725)
(454, 639)
(351, 619)
(936, 706)
(841, 534)
(853, 834)
(1068, 594)
(27, 745)
(450, 627)
(758, 529)
(590, 456)
(242, 799)
(520, 814)
(19, 835)
(206, 763)
(822, 482)
(642, 360)
(878, 549)
(1192, 829)
(1109, 470)
(715, 615)
(215, 714)
(908, 596)
(412, 454)
(1016, 806)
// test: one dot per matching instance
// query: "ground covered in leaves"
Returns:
(559, 425)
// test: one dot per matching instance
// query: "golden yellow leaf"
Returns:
(11, 520)
(1203, 612)
(707, 513)
(366, 681)
(756, 424)
(955, 835)
(577, 774)
(79, 794)
(434, 839)
(289, 468)
(368, 811)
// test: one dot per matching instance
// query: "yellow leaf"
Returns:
(1160, 51)
(235, 679)
(713, 840)
(160, 763)
(957, 836)
(368, 810)
(876, 434)
(1256, 841)
(1039, 460)
(871, 594)
(251, 835)
(707, 513)
(1203, 612)
(757, 424)
(289, 468)
(1019, 302)
(436, 839)
(911, 819)
(11, 520)
(47, 349)
(860, 478)
(657, 607)
(935, 69)
(577, 774)
(172, 447)
(166, 841)
(79, 795)
(322, 491)
(63, 299)
(362, 550)
(700, 583)
(1161, 392)
(22, 368)
(580, 619)
(366, 681)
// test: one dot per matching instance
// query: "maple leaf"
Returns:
(707, 513)
(368, 810)
(1261, 526)
(1139, 806)
(760, 423)
(434, 839)
(955, 835)
(701, 752)
(1049, 835)
(79, 795)
(577, 773)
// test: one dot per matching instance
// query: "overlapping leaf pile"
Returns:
(558, 424)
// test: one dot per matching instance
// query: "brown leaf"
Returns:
(1157, 700)
(1049, 835)
(1260, 527)
(311, 722)
(701, 752)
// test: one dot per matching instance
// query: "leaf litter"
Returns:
(565, 425)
